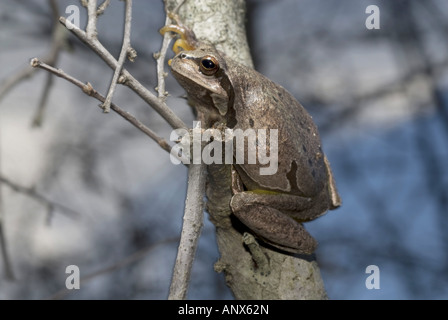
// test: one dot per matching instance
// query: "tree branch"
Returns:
(40, 112)
(126, 47)
(16, 78)
(58, 42)
(9, 274)
(191, 230)
(160, 56)
(159, 106)
(89, 90)
(102, 7)
(31, 192)
(92, 19)
(113, 267)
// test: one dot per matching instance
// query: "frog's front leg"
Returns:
(264, 214)
(187, 41)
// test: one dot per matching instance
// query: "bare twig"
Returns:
(9, 274)
(125, 48)
(92, 18)
(12, 81)
(159, 106)
(392, 87)
(160, 59)
(191, 230)
(113, 267)
(196, 183)
(194, 203)
(89, 90)
(54, 10)
(102, 7)
(39, 116)
(31, 192)
(160, 56)
(58, 42)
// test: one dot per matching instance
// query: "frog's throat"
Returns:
(186, 41)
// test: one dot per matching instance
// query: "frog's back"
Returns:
(266, 105)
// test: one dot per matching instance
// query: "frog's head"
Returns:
(202, 73)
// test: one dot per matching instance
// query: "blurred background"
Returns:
(78, 187)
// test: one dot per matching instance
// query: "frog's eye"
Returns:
(209, 65)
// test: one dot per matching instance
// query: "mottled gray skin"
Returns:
(302, 189)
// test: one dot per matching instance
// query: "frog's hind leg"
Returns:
(302, 209)
(274, 227)
(264, 213)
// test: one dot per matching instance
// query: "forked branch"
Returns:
(89, 90)
(158, 105)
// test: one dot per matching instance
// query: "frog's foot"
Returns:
(185, 42)
(187, 39)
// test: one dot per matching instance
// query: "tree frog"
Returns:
(232, 95)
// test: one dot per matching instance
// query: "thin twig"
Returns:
(194, 203)
(160, 56)
(58, 42)
(16, 78)
(113, 267)
(159, 106)
(102, 7)
(92, 19)
(31, 192)
(54, 10)
(126, 46)
(160, 60)
(39, 116)
(89, 90)
(9, 274)
(191, 230)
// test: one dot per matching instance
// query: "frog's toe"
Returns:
(187, 39)
(181, 45)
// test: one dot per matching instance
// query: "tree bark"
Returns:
(252, 271)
